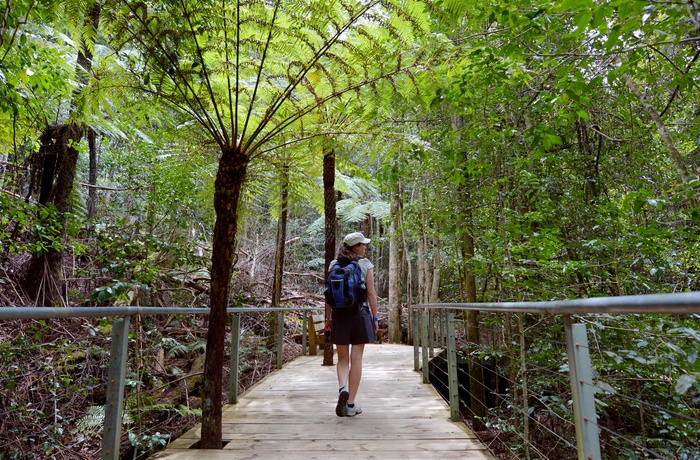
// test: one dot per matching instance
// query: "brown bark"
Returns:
(233, 166)
(476, 371)
(591, 161)
(281, 237)
(92, 174)
(473, 338)
(57, 162)
(329, 203)
(276, 318)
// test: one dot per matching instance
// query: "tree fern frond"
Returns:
(92, 422)
(353, 210)
(184, 411)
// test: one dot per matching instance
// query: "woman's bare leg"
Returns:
(355, 374)
(343, 366)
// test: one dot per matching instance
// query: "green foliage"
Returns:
(21, 218)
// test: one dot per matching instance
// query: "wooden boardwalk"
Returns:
(290, 415)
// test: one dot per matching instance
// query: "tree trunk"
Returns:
(590, 161)
(57, 163)
(435, 287)
(661, 127)
(233, 166)
(476, 371)
(473, 338)
(395, 288)
(421, 263)
(281, 237)
(92, 174)
(329, 204)
(279, 256)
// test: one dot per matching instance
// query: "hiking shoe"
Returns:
(352, 411)
(342, 406)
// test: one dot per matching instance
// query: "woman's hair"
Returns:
(346, 254)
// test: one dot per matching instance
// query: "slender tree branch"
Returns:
(14, 32)
(602, 134)
(677, 88)
(619, 51)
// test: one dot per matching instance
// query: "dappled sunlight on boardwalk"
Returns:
(291, 415)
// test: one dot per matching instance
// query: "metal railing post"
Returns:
(416, 352)
(452, 368)
(280, 339)
(118, 357)
(431, 333)
(444, 329)
(583, 396)
(304, 325)
(235, 356)
(424, 344)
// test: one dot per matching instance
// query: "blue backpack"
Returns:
(345, 288)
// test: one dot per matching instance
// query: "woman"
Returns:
(355, 328)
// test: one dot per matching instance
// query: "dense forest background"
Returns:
(211, 154)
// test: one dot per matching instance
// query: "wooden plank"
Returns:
(290, 415)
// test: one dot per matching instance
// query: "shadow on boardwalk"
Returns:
(290, 415)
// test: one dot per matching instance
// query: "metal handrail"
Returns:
(682, 303)
(119, 349)
(10, 313)
(580, 369)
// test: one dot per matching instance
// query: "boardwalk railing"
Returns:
(434, 325)
(119, 349)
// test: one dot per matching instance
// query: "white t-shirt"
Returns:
(364, 263)
(365, 266)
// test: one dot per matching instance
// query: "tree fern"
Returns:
(251, 73)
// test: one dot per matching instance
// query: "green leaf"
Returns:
(581, 22)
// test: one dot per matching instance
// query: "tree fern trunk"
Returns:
(57, 162)
(233, 166)
(330, 226)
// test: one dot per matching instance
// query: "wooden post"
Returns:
(313, 342)
(280, 339)
(304, 328)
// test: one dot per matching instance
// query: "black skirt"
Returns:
(353, 328)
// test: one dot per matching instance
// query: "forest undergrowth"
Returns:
(53, 374)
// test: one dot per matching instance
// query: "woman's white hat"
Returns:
(355, 238)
